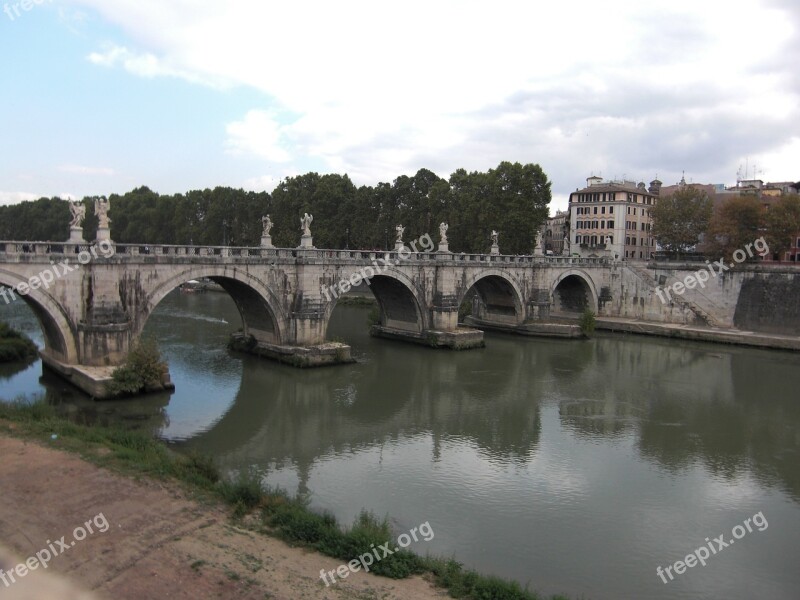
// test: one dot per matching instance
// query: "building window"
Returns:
(611, 225)
(602, 224)
(595, 210)
(611, 210)
(603, 210)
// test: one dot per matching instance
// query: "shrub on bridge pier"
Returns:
(143, 370)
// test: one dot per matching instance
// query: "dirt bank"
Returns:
(158, 543)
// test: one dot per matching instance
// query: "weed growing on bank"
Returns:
(587, 323)
(279, 514)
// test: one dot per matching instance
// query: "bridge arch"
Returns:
(261, 312)
(59, 337)
(399, 301)
(574, 291)
(500, 295)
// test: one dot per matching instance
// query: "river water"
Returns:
(577, 467)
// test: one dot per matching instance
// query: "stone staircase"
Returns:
(646, 276)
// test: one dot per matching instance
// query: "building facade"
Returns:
(613, 217)
(556, 228)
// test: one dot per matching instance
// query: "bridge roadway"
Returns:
(93, 301)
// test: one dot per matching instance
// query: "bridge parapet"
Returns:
(11, 249)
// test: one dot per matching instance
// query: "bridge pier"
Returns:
(305, 345)
(462, 338)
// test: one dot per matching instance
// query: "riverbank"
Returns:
(699, 333)
(170, 535)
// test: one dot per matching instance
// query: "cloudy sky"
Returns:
(101, 96)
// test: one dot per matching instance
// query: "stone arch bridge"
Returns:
(91, 313)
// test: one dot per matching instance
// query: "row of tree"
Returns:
(688, 220)
(512, 199)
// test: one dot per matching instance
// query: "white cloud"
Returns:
(262, 183)
(84, 170)
(148, 65)
(258, 134)
(16, 197)
(380, 89)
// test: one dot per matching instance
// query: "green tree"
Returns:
(783, 223)
(513, 199)
(45, 219)
(736, 223)
(681, 218)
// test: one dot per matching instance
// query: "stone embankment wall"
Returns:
(762, 298)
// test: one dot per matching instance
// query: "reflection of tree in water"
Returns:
(754, 431)
(146, 413)
(9, 369)
(730, 409)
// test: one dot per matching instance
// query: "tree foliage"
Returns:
(45, 219)
(513, 199)
(736, 223)
(15, 346)
(783, 223)
(681, 218)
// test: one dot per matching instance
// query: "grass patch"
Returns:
(288, 518)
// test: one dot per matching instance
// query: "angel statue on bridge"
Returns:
(78, 211)
(443, 232)
(399, 231)
(266, 223)
(101, 207)
(495, 237)
(305, 224)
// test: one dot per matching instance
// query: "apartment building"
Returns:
(613, 216)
